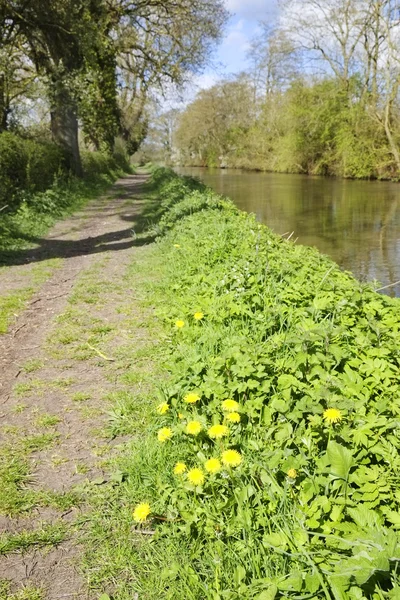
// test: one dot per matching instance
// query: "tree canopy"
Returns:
(98, 59)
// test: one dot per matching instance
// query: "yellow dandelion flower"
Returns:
(213, 465)
(180, 416)
(196, 476)
(163, 408)
(198, 316)
(180, 468)
(218, 431)
(231, 458)
(292, 473)
(141, 512)
(234, 417)
(191, 398)
(332, 415)
(164, 434)
(177, 245)
(179, 324)
(230, 405)
(193, 427)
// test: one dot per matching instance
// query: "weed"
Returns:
(47, 535)
(47, 420)
(81, 397)
(12, 304)
(19, 408)
(25, 593)
(35, 364)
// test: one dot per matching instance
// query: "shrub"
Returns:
(26, 165)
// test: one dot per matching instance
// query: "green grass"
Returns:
(12, 304)
(287, 335)
(35, 364)
(47, 420)
(47, 535)
(16, 495)
(26, 593)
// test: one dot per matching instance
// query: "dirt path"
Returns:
(59, 364)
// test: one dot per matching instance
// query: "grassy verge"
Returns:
(280, 403)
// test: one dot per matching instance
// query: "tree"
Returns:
(80, 47)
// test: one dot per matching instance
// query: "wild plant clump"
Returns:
(279, 424)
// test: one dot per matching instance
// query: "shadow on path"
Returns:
(101, 227)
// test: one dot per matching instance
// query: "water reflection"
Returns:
(357, 223)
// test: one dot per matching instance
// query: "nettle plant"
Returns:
(308, 361)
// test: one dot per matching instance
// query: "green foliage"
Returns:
(312, 510)
(309, 127)
(26, 165)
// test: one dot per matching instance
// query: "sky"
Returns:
(231, 55)
(242, 27)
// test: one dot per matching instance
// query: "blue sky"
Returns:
(242, 27)
(231, 55)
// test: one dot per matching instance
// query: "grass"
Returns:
(47, 420)
(33, 365)
(26, 593)
(13, 303)
(47, 535)
(287, 335)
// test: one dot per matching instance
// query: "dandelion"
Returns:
(230, 405)
(332, 415)
(164, 434)
(180, 416)
(234, 417)
(231, 458)
(196, 476)
(162, 408)
(179, 324)
(213, 465)
(177, 245)
(180, 468)
(141, 512)
(191, 398)
(193, 428)
(198, 316)
(292, 473)
(218, 431)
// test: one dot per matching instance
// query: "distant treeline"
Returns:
(321, 96)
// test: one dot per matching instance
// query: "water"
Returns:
(357, 223)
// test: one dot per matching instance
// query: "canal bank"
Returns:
(268, 467)
(356, 223)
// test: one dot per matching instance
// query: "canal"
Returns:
(357, 223)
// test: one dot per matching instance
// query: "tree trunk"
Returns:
(64, 128)
(389, 135)
(3, 106)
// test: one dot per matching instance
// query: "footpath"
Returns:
(64, 362)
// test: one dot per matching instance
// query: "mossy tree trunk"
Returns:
(64, 128)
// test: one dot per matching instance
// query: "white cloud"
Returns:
(236, 37)
(253, 9)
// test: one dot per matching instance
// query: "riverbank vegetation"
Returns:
(267, 465)
(320, 96)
